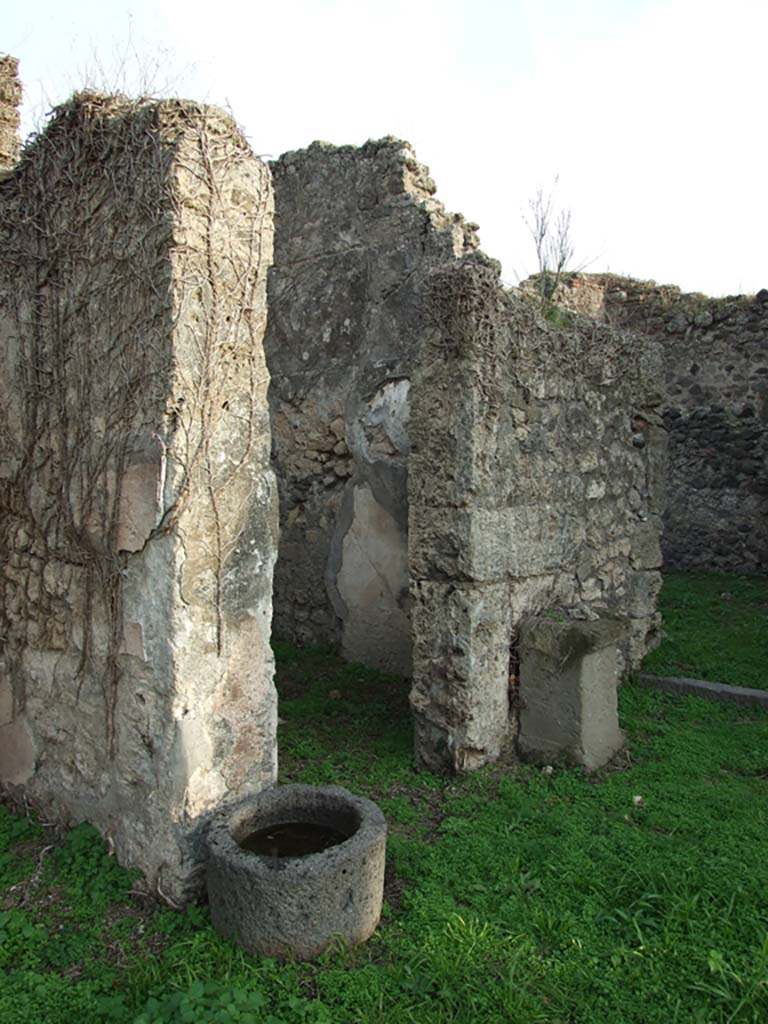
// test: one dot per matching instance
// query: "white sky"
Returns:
(652, 112)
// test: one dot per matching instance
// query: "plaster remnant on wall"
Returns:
(141, 498)
(17, 752)
(133, 640)
(382, 430)
(373, 576)
(6, 697)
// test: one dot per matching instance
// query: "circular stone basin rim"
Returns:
(342, 818)
(332, 806)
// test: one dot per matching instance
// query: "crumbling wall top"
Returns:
(647, 304)
(356, 184)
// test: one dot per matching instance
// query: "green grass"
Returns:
(715, 627)
(511, 895)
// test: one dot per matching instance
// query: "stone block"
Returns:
(568, 679)
(491, 544)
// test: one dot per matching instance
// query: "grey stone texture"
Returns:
(535, 482)
(357, 231)
(138, 510)
(296, 907)
(10, 98)
(725, 692)
(716, 410)
(568, 680)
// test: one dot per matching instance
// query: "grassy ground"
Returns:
(715, 627)
(636, 895)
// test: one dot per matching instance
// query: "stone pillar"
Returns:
(568, 679)
(138, 510)
(10, 98)
(534, 483)
(461, 608)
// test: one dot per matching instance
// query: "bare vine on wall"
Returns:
(120, 353)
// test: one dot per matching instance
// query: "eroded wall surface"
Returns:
(137, 507)
(357, 230)
(536, 483)
(10, 98)
(716, 409)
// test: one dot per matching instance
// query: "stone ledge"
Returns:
(569, 638)
(701, 688)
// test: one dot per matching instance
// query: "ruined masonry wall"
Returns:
(535, 484)
(137, 508)
(357, 230)
(716, 408)
(10, 98)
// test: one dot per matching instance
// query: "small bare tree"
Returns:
(550, 229)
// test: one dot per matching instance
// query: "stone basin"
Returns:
(277, 903)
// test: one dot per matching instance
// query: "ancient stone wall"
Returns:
(10, 98)
(137, 507)
(716, 408)
(536, 482)
(357, 230)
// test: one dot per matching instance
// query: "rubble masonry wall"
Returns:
(716, 409)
